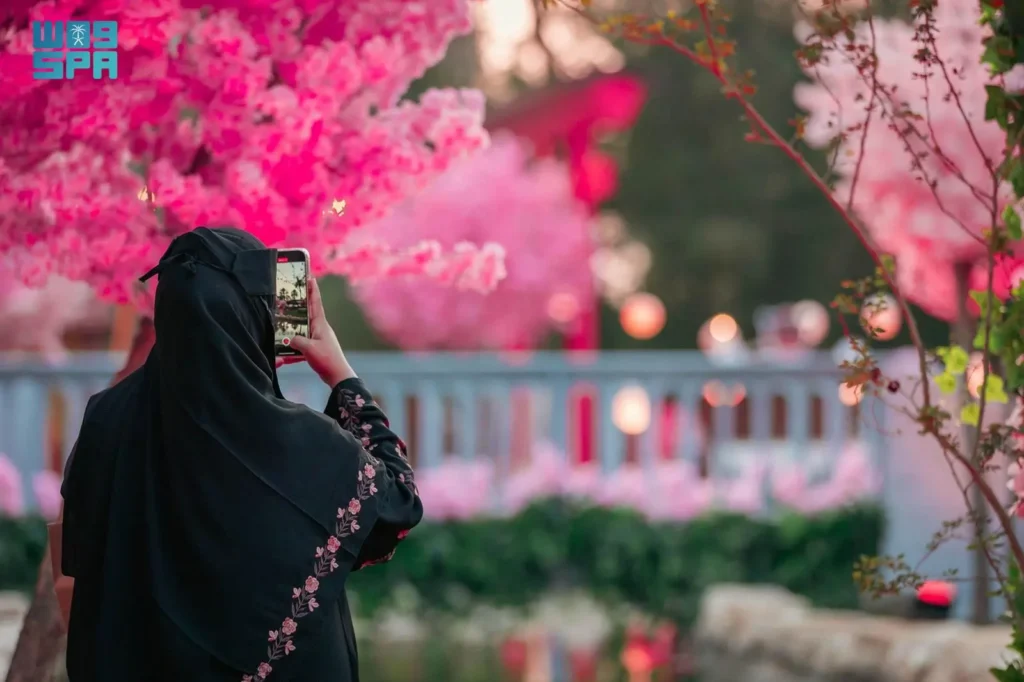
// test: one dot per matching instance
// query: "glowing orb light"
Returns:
(811, 321)
(642, 316)
(880, 316)
(631, 410)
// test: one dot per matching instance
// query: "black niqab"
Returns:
(196, 493)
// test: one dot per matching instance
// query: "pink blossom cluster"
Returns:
(501, 195)
(45, 487)
(915, 152)
(853, 477)
(1016, 485)
(35, 320)
(283, 118)
(669, 491)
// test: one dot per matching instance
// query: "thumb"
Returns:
(300, 343)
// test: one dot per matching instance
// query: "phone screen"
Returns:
(291, 317)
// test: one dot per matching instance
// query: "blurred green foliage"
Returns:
(615, 554)
(22, 543)
(621, 558)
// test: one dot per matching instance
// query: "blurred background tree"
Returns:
(730, 225)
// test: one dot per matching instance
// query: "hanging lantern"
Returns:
(880, 317)
(642, 316)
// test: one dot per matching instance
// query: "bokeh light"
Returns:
(811, 321)
(880, 317)
(643, 316)
(718, 394)
(850, 395)
(975, 375)
(631, 410)
(563, 307)
(723, 328)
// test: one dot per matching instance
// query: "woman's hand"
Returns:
(321, 350)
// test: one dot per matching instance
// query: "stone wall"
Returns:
(12, 611)
(766, 634)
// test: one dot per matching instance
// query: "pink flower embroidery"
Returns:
(325, 562)
(387, 557)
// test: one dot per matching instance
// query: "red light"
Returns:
(282, 259)
(936, 593)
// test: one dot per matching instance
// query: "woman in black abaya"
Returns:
(209, 523)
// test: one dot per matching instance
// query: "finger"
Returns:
(316, 308)
(299, 343)
(291, 360)
(278, 363)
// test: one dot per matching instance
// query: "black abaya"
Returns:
(209, 523)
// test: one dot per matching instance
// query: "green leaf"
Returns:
(982, 298)
(190, 114)
(955, 357)
(995, 106)
(1016, 178)
(1010, 674)
(137, 168)
(995, 390)
(1012, 221)
(946, 382)
(970, 414)
(998, 337)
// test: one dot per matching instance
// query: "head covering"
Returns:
(196, 490)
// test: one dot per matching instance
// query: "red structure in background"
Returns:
(568, 121)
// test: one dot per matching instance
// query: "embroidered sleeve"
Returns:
(400, 507)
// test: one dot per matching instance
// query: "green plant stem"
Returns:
(963, 336)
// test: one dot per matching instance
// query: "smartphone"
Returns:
(291, 314)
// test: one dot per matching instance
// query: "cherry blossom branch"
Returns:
(768, 131)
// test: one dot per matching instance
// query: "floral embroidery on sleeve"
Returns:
(384, 559)
(304, 598)
(350, 408)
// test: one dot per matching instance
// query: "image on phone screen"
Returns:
(292, 315)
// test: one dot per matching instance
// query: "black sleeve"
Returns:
(400, 507)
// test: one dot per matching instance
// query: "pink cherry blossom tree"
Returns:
(35, 320)
(501, 195)
(283, 118)
(917, 161)
(915, 156)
